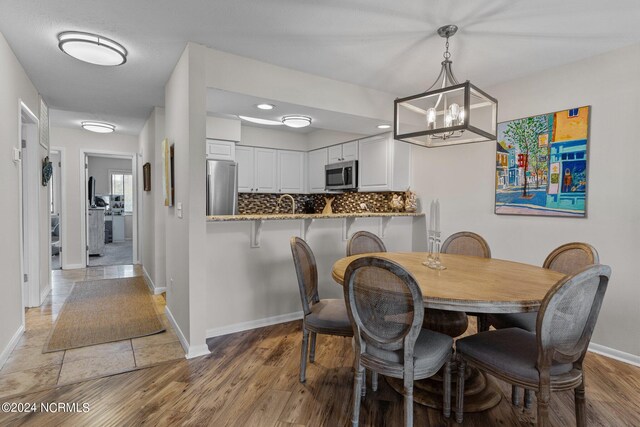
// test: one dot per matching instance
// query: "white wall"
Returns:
(14, 85)
(320, 138)
(74, 141)
(463, 177)
(273, 138)
(99, 169)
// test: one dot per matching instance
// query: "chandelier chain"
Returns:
(446, 54)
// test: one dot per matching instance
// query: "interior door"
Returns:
(25, 227)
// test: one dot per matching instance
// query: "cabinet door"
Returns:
(317, 162)
(265, 170)
(335, 153)
(374, 164)
(350, 151)
(221, 150)
(244, 158)
(290, 171)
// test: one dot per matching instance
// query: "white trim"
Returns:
(253, 324)
(73, 266)
(629, 358)
(190, 351)
(4, 356)
(62, 212)
(152, 286)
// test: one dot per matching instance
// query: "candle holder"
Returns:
(433, 260)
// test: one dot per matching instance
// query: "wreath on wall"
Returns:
(47, 171)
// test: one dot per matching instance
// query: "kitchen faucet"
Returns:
(293, 202)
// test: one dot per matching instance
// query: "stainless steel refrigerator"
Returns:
(222, 187)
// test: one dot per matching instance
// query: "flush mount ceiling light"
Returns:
(296, 121)
(383, 126)
(92, 48)
(448, 112)
(260, 121)
(265, 106)
(98, 127)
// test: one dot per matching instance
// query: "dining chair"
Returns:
(461, 243)
(549, 359)
(364, 242)
(568, 259)
(321, 316)
(386, 310)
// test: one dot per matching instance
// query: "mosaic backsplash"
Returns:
(252, 203)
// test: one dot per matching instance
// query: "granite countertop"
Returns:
(280, 216)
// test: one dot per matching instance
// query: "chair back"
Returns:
(571, 258)
(384, 303)
(307, 273)
(363, 242)
(466, 243)
(568, 315)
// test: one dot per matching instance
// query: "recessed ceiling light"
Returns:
(98, 127)
(384, 126)
(92, 48)
(296, 121)
(265, 106)
(260, 121)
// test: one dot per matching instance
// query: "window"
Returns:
(122, 184)
(573, 112)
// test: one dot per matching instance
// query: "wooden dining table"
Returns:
(468, 284)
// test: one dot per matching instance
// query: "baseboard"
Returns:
(629, 358)
(190, 351)
(73, 266)
(11, 345)
(152, 286)
(45, 293)
(253, 324)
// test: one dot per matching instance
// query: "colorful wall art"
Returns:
(541, 164)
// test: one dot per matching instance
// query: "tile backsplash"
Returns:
(348, 202)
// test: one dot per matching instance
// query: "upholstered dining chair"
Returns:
(568, 259)
(327, 316)
(386, 310)
(364, 242)
(549, 359)
(461, 243)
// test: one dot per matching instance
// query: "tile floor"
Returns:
(28, 369)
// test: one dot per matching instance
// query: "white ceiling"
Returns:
(380, 44)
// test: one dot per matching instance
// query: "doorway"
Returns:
(56, 207)
(110, 202)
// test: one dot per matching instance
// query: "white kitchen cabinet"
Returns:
(245, 160)
(218, 149)
(315, 171)
(343, 152)
(384, 164)
(265, 170)
(290, 171)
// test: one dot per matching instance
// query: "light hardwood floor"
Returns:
(251, 379)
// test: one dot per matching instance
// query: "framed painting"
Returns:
(146, 176)
(167, 173)
(541, 164)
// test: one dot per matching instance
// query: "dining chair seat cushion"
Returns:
(329, 314)
(526, 321)
(512, 351)
(432, 349)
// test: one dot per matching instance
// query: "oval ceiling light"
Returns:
(296, 121)
(92, 48)
(260, 121)
(383, 126)
(265, 106)
(98, 127)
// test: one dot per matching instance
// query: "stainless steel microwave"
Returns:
(341, 176)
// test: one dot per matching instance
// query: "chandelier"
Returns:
(448, 112)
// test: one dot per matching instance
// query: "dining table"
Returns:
(473, 285)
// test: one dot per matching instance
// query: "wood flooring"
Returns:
(251, 379)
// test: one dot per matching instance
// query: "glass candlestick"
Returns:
(433, 260)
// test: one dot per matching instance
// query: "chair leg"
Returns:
(446, 393)
(357, 393)
(528, 398)
(581, 416)
(482, 323)
(374, 381)
(543, 397)
(408, 401)
(312, 350)
(363, 389)
(462, 365)
(515, 395)
(303, 355)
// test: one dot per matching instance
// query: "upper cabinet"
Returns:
(315, 170)
(384, 164)
(218, 149)
(343, 152)
(290, 171)
(245, 159)
(265, 170)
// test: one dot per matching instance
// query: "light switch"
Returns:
(179, 209)
(16, 155)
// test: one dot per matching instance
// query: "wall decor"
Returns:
(167, 173)
(146, 176)
(47, 171)
(541, 164)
